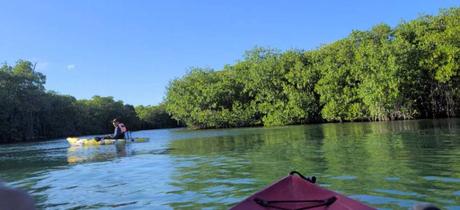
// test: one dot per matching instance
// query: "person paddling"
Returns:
(118, 133)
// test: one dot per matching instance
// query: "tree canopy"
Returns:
(406, 72)
(29, 112)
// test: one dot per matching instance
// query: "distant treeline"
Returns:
(29, 112)
(410, 71)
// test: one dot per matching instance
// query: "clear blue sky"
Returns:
(132, 49)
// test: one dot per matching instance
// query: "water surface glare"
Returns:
(388, 165)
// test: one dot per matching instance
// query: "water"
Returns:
(388, 165)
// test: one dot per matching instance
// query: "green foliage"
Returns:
(155, 117)
(28, 112)
(339, 82)
(205, 98)
(410, 71)
(21, 89)
(97, 113)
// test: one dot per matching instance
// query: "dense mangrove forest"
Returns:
(29, 112)
(409, 71)
(386, 73)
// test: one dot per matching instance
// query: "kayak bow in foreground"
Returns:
(92, 141)
(296, 192)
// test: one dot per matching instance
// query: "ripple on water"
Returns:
(232, 181)
(387, 165)
(97, 184)
(380, 200)
(343, 177)
(456, 193)
(392, 179)
(442, 179)
(397, 192)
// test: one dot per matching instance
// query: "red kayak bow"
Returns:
(296, 192)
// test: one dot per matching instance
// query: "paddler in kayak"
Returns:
(118, 133)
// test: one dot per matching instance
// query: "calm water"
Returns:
(389, 165)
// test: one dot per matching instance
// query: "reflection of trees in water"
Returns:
(390, 159)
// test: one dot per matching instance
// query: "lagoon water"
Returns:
(388, 165)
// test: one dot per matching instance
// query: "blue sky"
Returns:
(132, 49)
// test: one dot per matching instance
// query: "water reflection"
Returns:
(387, 165)
(78, 154)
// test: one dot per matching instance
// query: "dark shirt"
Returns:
(117, 134)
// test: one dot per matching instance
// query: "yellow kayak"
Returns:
(92, 141)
